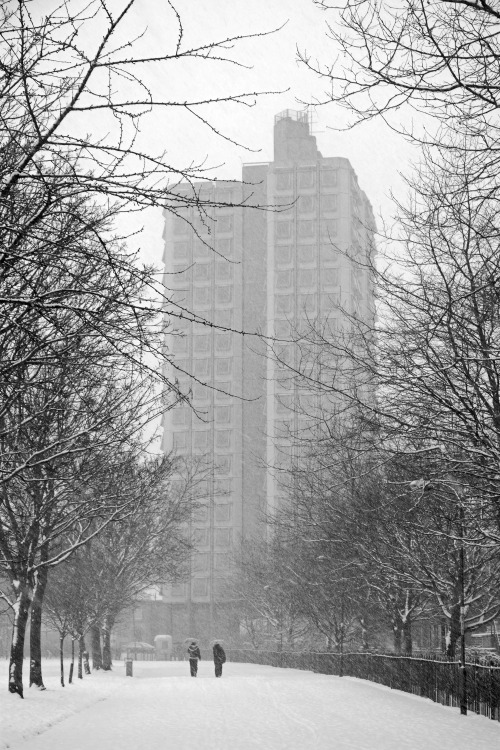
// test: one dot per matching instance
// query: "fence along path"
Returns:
(426, 676)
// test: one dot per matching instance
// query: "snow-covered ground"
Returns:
(250, 707)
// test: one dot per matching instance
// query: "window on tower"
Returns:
(223, 537)
(224, 295)
(200, 392)
(306, 253)
(283, 304)
(224, 247)
(180, 415)
(200, 562)
(306, 178)
(180, 344)
(180, 440)
(283, 229)
(307, 303)
(202, 296)
(307, 278)
(223, 414)
(200, 537)
(223, 392)
(223, 439)
(223, 342)
(223, 512)
(284, 180)
(224, 224)
(329, 254)
(201, 343)
(329, 228)
(223, 366)
(202, 272)
(306, 228)
(201, 250)
(200, 442)
(201, 514)
(329, 203)
(329, 277)
(222, 464)
(201, 368)
(284, 279)
(180, 226)
(200, 587)
(223, 318)
(181, 249)
(222, 560)
(329, 178)
(223, 271)
(283, 255)
(306, 204)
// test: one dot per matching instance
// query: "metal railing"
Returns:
(425, 676)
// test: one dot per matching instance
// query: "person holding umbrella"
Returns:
(193, 655)
(219, 658)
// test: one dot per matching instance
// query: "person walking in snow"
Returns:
(219, 658)
(194, 655)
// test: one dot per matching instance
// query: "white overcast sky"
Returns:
(376, 154)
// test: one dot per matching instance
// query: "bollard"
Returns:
(128, 668)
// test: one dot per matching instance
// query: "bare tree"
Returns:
(137, 550)
(81, 323)
(149, 545)
(438, 57)
(65, 67)
(264, 580)
(69, 72)
(63, 605)
(55, 493)
(371, 547)
(423, 375)
(424, 372)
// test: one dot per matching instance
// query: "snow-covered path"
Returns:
(250, 707)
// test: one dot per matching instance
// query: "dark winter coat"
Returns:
(194, 652)
(219, 654)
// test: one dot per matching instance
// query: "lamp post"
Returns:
(461, 582)
(424, 486)
(463, 668)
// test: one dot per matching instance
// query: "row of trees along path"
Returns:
(84, 366)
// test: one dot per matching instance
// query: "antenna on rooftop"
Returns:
(312, 119)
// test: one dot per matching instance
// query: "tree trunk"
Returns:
(95, 642)
(397, 638)
(21, 611)
(72, 665)
(280, 641)
(364, 634)
(86, 665)
(107, 663)
(407, 639)
(81, 649)
(36, 630)
(61, 658)
(453, 632)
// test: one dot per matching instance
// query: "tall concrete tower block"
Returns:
(319, 242)
(293, 141)
(282, 248)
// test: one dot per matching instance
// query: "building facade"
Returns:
(271, 269)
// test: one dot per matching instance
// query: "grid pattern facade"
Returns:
(273, 272)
